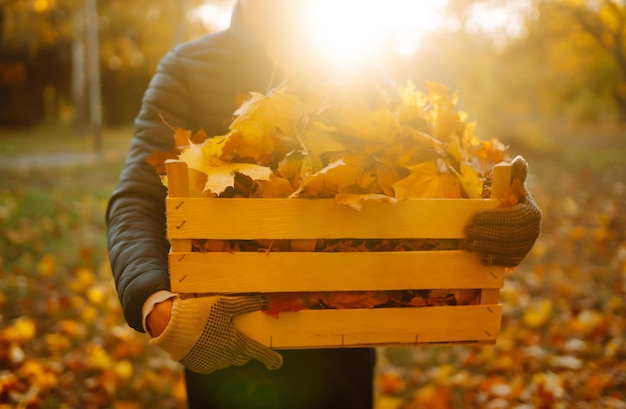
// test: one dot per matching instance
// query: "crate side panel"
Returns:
(393, 326)
(247, 219)
(243, 272)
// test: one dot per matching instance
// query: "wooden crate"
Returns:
(245, 272)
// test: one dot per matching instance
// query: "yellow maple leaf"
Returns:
(471, 182)
(275, 187)
(294, 167)
(192, 156)
(332, 179)
(222, 176)
(368, 181)
(440, 98)
(261, 115)
(317, 139)
(426, 181)
(455, 150)
(387, 177)
(356, 120)
(214, 147)
(442, 118)
(485, 154)
(422, 139)
(412, 104)
(241, 151)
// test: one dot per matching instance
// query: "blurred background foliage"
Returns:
(566, 61)
(39, 40)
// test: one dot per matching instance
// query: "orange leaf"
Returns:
(283, 302)
(157, 160)
(511, 196)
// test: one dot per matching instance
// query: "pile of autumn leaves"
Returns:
(324, 139)
(319, 139)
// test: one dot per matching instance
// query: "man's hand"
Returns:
(200, 333)
(505, 236)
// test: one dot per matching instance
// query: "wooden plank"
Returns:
(375, 327)
(243, 272)
(501, 180)
(247, 219)
(178, 186)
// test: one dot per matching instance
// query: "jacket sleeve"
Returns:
(135, 215)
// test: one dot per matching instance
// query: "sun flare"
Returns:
(351, 30)
(348, 32)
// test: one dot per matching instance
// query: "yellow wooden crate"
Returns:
(267, 272)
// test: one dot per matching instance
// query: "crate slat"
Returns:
(178, 186)
(249, 219)
(354, 271)
(367, 327)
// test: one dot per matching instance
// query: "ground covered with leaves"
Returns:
(64, 343)
(563, 341)
(63, 340)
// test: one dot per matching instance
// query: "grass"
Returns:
(46, 139)
(59, 209)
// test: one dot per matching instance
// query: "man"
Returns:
(194, 88)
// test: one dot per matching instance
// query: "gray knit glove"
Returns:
(505, 236)
(202, 337)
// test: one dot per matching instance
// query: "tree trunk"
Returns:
(93, 70)
(78, 73)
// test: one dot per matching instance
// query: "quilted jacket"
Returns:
(195, 88)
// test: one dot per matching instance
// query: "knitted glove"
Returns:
(505, 236)
(202, 337)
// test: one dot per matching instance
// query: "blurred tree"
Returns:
(93, 72)
(477, 54)
(33, 49)
(566, 64)
(79, 76)
(44, 38)
(579, 48)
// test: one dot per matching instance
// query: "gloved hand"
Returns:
(505, 236)
(202, 337)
